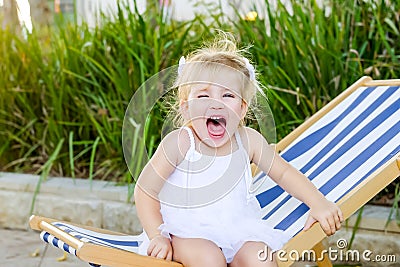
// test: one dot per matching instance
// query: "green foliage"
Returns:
(318, 52)
(74, 82)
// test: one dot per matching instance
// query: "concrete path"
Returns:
(27, 250)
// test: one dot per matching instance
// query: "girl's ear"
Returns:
(245, 108)
(184, 109)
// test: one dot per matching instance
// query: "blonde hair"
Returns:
(222, 52)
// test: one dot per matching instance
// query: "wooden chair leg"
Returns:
(319, 250)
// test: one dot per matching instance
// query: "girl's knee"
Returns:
(212, 257)
(253, 254)
(193, 252)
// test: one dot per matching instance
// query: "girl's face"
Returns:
(215, 107)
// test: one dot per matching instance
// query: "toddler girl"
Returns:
(193, 196)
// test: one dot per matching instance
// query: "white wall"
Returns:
(179, 9)
(89, 10)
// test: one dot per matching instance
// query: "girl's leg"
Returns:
(197, 252)
(253, 254)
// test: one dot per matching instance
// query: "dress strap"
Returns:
(191, 138)
(248, 176)
(238, 140)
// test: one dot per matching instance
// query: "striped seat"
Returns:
(124, 242)
(336, 153)
(339, 151)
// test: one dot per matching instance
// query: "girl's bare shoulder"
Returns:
(252, 140)
(249, 136)
(176, 144)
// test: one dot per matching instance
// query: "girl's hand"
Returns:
(327, 214)
(160, 247)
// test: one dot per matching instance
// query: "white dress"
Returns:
(208, 197)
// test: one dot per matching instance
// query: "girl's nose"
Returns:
(217, 104)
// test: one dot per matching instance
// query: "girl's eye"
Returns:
(229, 95)
(201, 96)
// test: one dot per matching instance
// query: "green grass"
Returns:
(65, 89)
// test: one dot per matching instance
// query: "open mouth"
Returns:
(216, 126)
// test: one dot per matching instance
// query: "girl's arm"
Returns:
(152, 178)
(295, 183)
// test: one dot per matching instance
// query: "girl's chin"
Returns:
(214, 143)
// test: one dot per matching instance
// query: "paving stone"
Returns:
(78, 210)
(121, 217)
(94, 203)
(14, 209)
(27, 250)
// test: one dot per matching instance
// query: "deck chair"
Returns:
(350, 150)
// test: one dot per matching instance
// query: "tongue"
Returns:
(215, 128)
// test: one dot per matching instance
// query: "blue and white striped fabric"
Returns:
(124, 242)
(338, 152)
(48, 238)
